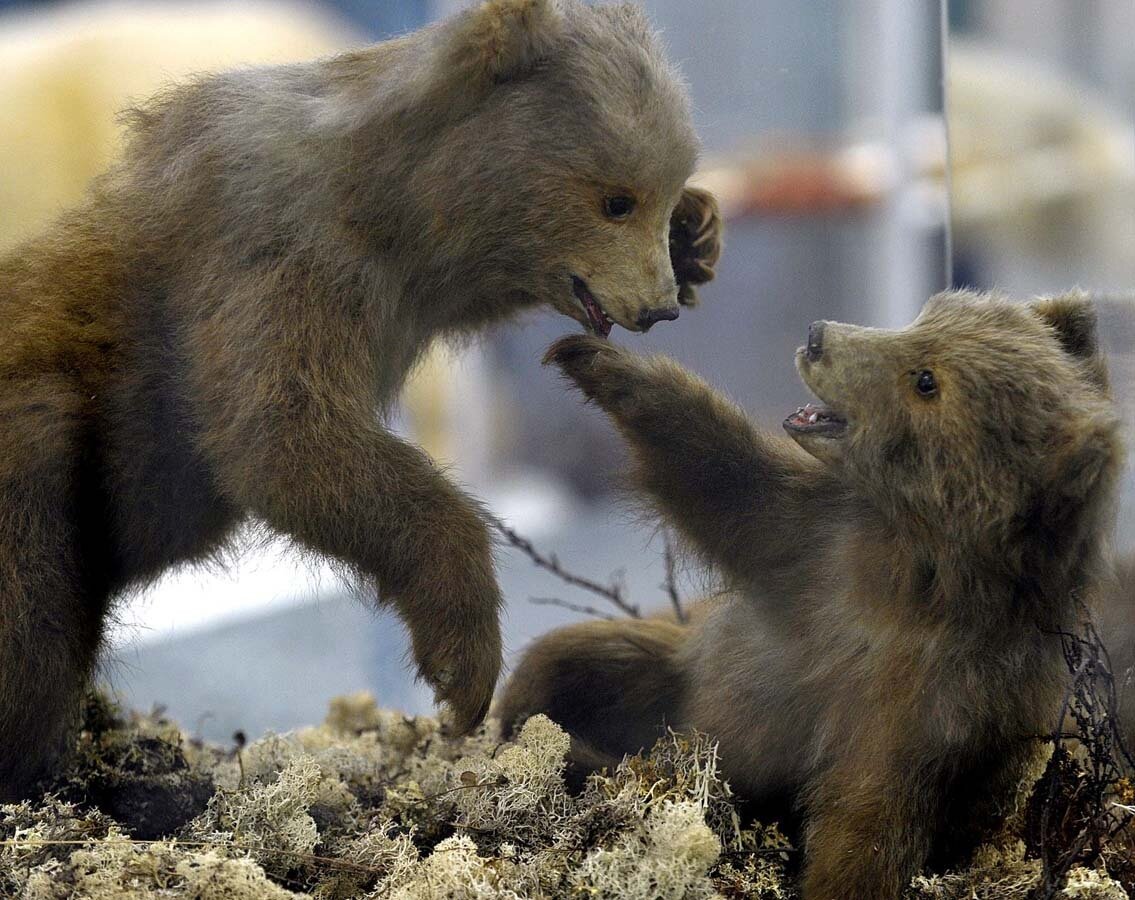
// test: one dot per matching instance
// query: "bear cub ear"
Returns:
(1073, 318)
(504, 39)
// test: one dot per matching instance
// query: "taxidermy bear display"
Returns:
(900, 566)
(213, 334)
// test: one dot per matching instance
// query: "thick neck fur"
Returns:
(1033, 573)
(290, 166)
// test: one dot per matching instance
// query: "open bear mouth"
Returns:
(599, 322)
(816, 419)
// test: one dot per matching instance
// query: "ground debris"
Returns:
(375, 804)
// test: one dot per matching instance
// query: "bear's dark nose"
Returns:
(648, 317)
(815, 348)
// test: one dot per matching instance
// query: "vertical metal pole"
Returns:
(893, 51)
(948, 158)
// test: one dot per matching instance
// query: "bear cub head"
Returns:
(983, 420)
(575, 111)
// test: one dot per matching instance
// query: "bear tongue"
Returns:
(599, 323)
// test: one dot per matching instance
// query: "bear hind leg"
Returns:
(50, 628)
(614, 686)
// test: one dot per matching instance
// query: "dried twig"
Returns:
(612, 593)
(671, 583)
(310, 858)
(1079, 814)
(574, 607)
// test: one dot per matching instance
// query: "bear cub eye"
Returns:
(618, 207)
(925, 383)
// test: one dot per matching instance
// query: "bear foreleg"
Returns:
(353, 491)
(742, 499)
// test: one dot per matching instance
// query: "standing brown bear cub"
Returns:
(899, 566)
(213, 333)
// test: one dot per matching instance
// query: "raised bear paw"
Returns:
(695, 241)
(602, 370)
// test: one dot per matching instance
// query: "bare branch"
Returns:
(1078, 810)
(671, 583)
(612, 593)
(574, 607)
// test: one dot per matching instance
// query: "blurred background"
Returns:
(867, 153)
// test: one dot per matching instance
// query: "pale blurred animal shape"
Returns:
(66, 72)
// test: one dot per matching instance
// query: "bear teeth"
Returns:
(810, 416)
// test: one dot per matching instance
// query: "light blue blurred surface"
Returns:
(278, 670)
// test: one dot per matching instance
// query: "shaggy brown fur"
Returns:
(886, 659)
(214, 332)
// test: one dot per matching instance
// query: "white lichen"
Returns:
(270, 817)
(373, 804)
(1088, 884)
(669, 858)
(119, 869)
(455, 871)
(518, 794)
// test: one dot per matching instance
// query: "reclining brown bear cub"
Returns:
(899, 564)
(213, 333)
